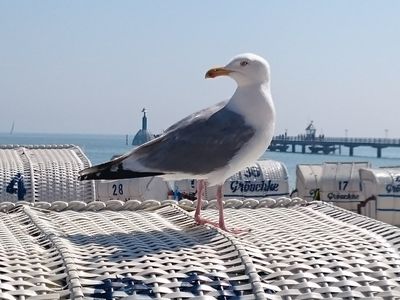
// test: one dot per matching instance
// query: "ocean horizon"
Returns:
(102, 147)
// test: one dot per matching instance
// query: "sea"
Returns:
(100, 148)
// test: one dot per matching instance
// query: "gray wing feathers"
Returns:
(200, 144)
(112, 170)
(201, 114)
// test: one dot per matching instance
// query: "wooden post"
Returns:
(351, 152)
(379, 152)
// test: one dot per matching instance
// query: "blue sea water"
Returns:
(100, 148)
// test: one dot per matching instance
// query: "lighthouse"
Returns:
(143, 135)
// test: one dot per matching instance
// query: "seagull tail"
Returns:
(112, 170)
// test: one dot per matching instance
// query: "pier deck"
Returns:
(329, 145)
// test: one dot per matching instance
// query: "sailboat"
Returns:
(12, 128)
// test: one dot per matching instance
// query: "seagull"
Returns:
(211, 144)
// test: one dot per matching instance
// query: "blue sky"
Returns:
(91, 66)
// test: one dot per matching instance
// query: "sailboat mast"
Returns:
(12, 127)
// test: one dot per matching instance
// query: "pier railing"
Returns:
(338, 140)
(330, 144)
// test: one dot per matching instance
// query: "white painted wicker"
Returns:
(50, 172)
(154, 250)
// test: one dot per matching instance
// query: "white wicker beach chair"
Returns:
(317, 251)
(50, 173)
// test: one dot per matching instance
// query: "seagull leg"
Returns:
(197, 217)
(221, 223)
(200, 186)
(220, 202)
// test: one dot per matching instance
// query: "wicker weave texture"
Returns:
(50, 172)
(115, 251)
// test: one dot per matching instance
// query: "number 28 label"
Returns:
(118, 189)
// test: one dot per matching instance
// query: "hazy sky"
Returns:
(91, 66)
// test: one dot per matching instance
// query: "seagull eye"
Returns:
(244, 63)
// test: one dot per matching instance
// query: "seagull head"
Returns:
(245, 69)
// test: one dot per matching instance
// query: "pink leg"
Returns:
(220, 202)
(200, 187)
(221, 214)
(221, 222)
(197, 217)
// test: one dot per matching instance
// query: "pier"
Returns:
(328, 145)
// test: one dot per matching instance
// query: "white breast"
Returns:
(258, 110)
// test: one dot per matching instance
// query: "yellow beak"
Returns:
(212, 73)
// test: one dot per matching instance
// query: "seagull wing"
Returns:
(197, 145)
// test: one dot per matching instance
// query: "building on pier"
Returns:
(310, 131)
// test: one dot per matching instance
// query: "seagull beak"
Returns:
(212, 73)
